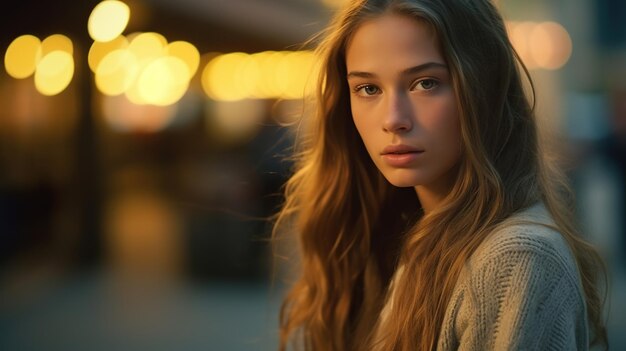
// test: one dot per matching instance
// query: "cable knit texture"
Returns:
(520, 290)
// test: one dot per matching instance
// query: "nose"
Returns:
(398, 118)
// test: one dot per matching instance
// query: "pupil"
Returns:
(370, 89)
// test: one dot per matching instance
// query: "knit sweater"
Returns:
(520, 290)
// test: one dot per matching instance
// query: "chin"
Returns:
(403, 180)
(402, 184)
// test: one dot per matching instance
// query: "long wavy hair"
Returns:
(354, 228)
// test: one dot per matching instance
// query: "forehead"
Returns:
(392, 41)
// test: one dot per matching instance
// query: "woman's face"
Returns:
(403, 103)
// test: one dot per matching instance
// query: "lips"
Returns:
(401, 156)
(400, 149)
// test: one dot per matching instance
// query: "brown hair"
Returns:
(354, 228)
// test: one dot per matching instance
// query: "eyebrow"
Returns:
(410, 70)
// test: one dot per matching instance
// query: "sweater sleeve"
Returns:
(522, 294)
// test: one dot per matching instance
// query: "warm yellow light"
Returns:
(544, 45)
(186, 52)
(264, 75)
(108, 20)
(147, 47)
(55, 42)
(219, 77)
(20, 59)
(298, 74)
(290, 75)
(258, 69)
(270, 83)
(144, 68)
(312, 61)
(164, 81)
(551, 45)
(133, 94)
(116, 72)
(54, 72)
(248, 77)
(281, 74)
(100, 49)
(519, 36)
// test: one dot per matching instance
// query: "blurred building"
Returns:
(90, 164)
(175, 190)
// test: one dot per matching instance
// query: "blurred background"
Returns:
(143, 145)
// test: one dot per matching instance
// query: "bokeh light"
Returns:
(551, 44)
(264, 75)
(100, 49)
(20, 59)
(116, 72)
(219, 77)
(144, 67)
(280, 70)
(267, 62)
(247, 76)
(545, 45)
(147, 47)
(54, 72)
(187, 53)
(300, 74)
(164, 81)
(519, 36)
(53, 43)
(108, 20)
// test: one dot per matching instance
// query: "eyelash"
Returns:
(434, 82)
(359, 88)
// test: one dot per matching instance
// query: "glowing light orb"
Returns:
(108, 20)
(20, 59)
(54, 72)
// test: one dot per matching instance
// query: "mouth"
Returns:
(402, 153)
(402, 159)
(400, 150)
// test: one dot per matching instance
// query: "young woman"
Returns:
(426, 215)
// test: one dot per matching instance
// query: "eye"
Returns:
(426, 84)
(366, 90)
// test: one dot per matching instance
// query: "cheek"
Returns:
(445, 127)
(452, 124)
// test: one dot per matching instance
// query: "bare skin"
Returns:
(403, 105)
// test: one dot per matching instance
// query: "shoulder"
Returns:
(529, 237)
(526, 251)
(519, 290)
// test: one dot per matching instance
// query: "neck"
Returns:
(431, 195)
(429, 198)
